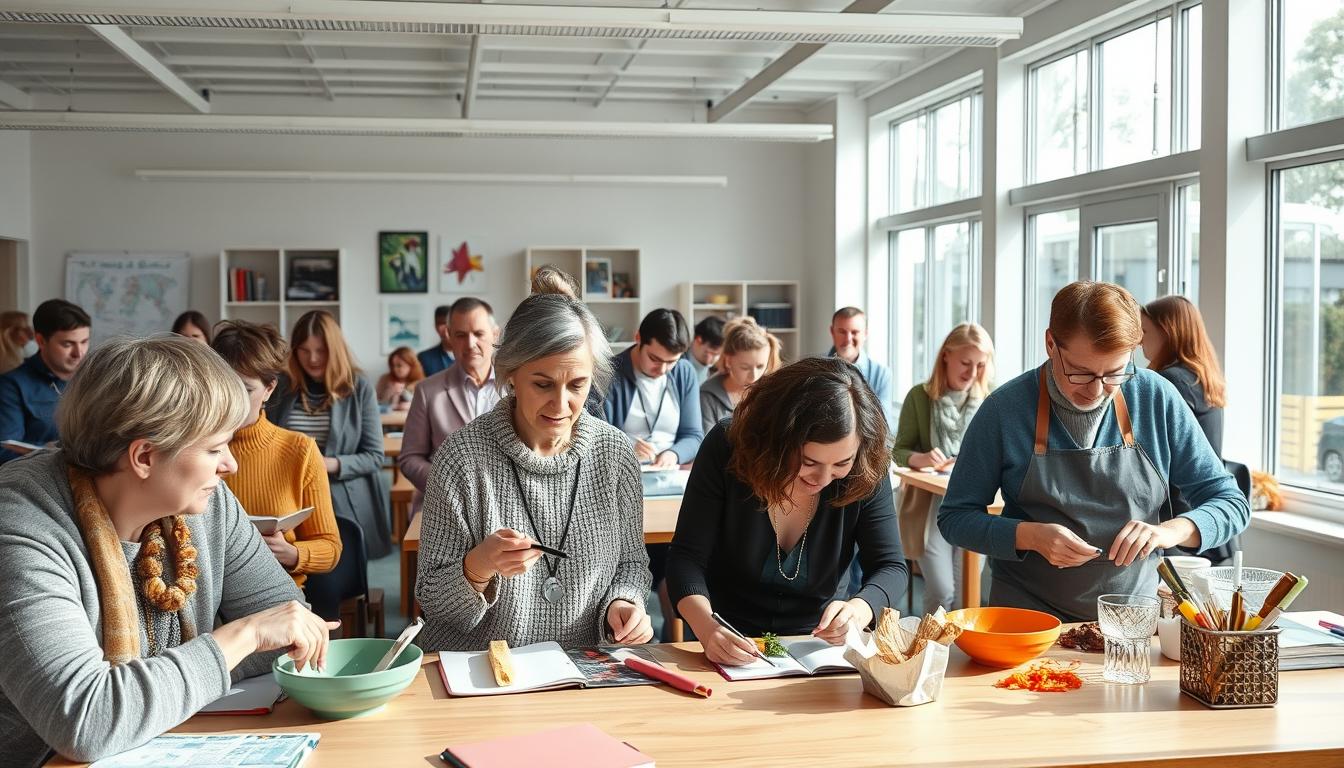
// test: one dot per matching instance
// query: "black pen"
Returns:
(724, 623)
(548, 550)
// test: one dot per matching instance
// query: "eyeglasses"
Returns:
(1109, 379)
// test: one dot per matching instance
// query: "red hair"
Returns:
(407, 356)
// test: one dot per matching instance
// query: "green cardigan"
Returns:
(912, 431)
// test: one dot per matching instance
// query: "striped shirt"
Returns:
(315, 425)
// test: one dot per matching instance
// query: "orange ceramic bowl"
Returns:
(1004, 637)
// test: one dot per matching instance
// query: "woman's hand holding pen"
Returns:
(645, 452)
(505, 552)
(724, 647)
(838, 615)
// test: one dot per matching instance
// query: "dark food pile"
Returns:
(1084, 637)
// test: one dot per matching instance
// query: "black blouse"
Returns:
(724, 542)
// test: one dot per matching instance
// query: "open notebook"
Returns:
(268, 525)
(542, 666)
(807, 656)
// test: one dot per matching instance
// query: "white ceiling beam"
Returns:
(410, 127)
(137, 55)
(544, 20)
(312, 59)
(14, 98)
(473, 76)
(796, 55)
(530, 179)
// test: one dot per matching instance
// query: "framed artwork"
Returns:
(313, 278)
(461, 270)
(403, 262)
(621, 287)
(404, 325)
(597, 279)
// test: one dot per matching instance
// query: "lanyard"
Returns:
(553, 564)
(662, 398)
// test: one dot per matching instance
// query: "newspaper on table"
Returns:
(909, 678)
(200, 750)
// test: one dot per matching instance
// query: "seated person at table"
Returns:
(706, 347)
(438, 357)
(777, 500)
(451, 399)
(397, 386)
(1084, 448)
(279, 471)
(654, 396)
(536, 468)
(113, 555)
(749, 352)
(29, 393)
(934, 417)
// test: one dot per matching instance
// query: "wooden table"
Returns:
(828, 721)
(660, 522)
(970, 561)
(392, 446)
(394, 420)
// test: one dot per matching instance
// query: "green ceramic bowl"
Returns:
(348, 687)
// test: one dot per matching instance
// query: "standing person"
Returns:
(1179, 350)
(749, 352)
(134, 584)
(193, 325)
(440, 356)
(777, 502)
(1084, 448)
(327, 398)
(654, 398)
(537, 468)
(279, 471)
(934, 418)
(397, 386)
(450, 400)
(706, 347)
(849, 333)
(29, 393)
(16, 340)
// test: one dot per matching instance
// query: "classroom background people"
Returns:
(396, 387)
(29, 393)
(193, 325)
(706, 346)
(16, 340)
(849, 334)
(749, 352)
(440, 356)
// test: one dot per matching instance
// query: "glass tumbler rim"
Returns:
(1121, 599)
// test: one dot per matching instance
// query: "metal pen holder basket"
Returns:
(1230, 670)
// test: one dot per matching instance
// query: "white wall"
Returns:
(15, 185)
(86, 198)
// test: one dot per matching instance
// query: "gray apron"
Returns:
(1094, 493)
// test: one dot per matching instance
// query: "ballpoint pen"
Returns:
(724, 623)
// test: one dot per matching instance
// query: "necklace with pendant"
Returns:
(552, 589)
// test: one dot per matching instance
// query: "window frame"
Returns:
(925, 197)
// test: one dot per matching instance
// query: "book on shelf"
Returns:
(804, 656)
(203, 750)
(541, 667)
(772, 314)
(575, 746)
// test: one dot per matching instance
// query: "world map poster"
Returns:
(128, 293)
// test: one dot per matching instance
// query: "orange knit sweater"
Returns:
(280, 472)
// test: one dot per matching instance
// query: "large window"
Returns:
(1117, 99)
(1054, 259)
(1309, 214)
(1310, 49)
(932, 290)
(935, 154)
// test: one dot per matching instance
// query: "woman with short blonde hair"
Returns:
(115, 547)
(326, 397)
(1084, 449)
(749, 352)
(933, 420)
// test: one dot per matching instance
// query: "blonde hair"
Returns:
(167, 389)
(743, 334)
(341, 369)
(11, 353)
(1103, 313)
(964, 335)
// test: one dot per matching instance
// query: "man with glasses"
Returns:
(1084, 449)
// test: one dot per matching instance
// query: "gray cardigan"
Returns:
(715, 406)
(359, 491)
(472, 492)
(56, 691)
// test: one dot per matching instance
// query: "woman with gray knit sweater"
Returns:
(113, 552)
(537, 469)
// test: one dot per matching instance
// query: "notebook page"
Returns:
(535, 667)
(816, 655)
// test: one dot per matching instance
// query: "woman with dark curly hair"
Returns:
(777, 500)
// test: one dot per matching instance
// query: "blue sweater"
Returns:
(28, 398)
(999, 442)
(685, 387)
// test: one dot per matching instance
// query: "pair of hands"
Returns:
(508, 553)
(724, 647)
(934, 459)
(646, 453)
(1062, 548)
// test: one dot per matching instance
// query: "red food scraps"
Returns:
(1044, 676)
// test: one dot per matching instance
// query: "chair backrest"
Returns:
(1223, 553)
(350, 577)
(1242, 474)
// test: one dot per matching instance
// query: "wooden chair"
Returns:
(402, 493)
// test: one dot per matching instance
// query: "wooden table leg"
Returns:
(970, 579)
(409, 561)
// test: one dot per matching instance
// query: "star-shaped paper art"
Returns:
(463, 263)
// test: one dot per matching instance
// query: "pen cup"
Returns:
(1230, 670)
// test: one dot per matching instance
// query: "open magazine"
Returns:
(198, 750)
(806, 656)
(543, 666)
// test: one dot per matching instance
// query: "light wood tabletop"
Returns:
(970, 561)
(394, 419)
(829, 721)
(392, 446)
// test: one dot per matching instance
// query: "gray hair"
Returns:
(551, 324)
(167, 389)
